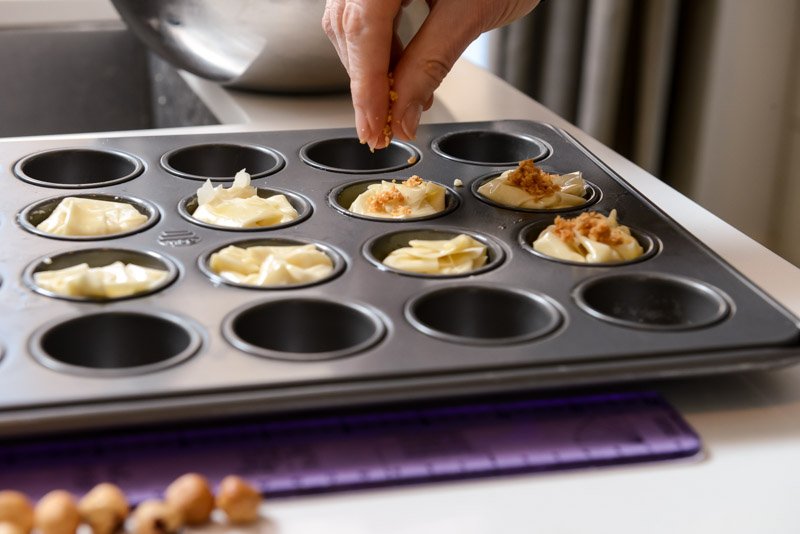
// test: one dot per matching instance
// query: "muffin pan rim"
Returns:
(595, 195)
(189, 326)
(453, 201)
(654, 246)
(492, 244)
(153, 212)
(293, 197)
(726, 307)
(436, 142)
(280, 161)
(558, 316)
(138, 164)
(340, 264)
(378, 320)
(408, 147)
(173, 274)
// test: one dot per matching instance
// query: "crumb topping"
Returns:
(414, 181)
(378, 202)
(399, 211)
(532, 180)
(387, 128)
(589, 224)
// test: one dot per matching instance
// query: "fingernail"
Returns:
(362, 127)
(375, 130)
(410, 120)
(385, 135)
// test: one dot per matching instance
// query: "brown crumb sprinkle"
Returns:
(533, 180)
(589, 224)
(414, 181)
(387, 128)
(401, 211)
(378, 202)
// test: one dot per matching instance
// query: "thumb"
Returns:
(426, 61)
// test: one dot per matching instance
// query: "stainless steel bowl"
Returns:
(267, 45)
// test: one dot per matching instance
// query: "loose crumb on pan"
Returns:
(589, 224)
(412, 160)
(532, 179)
(458, 183)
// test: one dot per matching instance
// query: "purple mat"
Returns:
(316, 454)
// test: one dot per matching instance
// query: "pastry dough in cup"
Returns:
(79, 216)
(268, 266)
(590, 237)
(412, 198)
(239, 205)
(115, 280)
(530, 187)
(459, 255)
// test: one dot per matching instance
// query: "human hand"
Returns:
(363, 33)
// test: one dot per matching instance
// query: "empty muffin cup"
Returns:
(115, 343)
(99, 257)
(348, 155)
(304, 329)
(483, 315)
(530, 232)
(591, 196)
(221, 161)
(34, 214)
(652, 301)
(188, 205)
(485, 147)
(75, 168)
(342, 197)
(379, 247)
(336, 258)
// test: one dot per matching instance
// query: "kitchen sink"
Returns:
(91, 78)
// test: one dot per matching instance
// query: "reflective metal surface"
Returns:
(271, 45)
(368, 335)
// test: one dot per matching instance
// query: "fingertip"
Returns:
(362, 126)
(369, 123)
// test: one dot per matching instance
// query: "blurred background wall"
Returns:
(703, 94)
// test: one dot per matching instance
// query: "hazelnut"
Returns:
(191, 495)
(15, 508)
(156, 517)
(10, 528)
(57, 513)
(104, 508)
(238, 499)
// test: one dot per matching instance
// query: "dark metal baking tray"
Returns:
(198, 347)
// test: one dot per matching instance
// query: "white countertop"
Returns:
(748, 480)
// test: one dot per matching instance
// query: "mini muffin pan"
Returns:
(197, 345)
